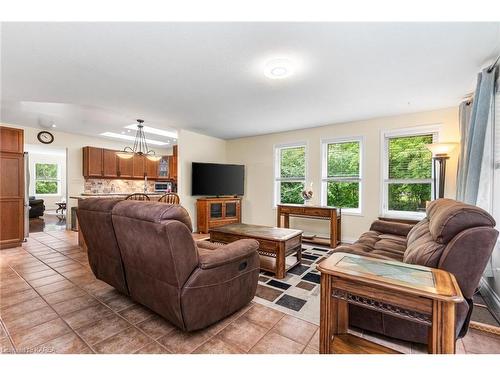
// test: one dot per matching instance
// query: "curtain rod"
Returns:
(490, 69)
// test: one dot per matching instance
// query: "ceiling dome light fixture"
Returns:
(140, 146)
(279, 68)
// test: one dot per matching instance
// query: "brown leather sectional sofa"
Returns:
(146, 250)
(455, 237)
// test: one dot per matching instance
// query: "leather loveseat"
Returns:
(37, 208)
(146, 250)
(454, 236)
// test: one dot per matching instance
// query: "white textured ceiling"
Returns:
(207, 77)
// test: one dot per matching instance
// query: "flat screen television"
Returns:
(217, 179)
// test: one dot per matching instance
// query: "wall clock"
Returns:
(45, 137)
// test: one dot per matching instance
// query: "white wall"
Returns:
(194, 147)
(256, 153)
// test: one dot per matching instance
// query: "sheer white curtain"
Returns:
(493, 272)
(475, 165)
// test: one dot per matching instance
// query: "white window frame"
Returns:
(277, 168)
(324, 172)
(58, 180)
(435, 130)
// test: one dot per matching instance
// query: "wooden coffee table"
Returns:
(280, 248)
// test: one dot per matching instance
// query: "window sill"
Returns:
(403, 216)
(352, 213)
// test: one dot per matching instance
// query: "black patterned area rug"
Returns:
(298, 293)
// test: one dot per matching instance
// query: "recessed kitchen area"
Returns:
(106, 173)
(134, 169)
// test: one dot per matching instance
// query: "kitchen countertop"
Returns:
(109, 195)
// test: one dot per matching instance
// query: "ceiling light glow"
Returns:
(150, 130)
(279, 68)
(132, 138)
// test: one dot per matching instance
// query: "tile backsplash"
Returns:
(105, 186)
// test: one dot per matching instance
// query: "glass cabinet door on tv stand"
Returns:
(214, 212)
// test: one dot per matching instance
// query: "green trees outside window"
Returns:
(343, 194)
(292, 174)
(409, 173)
(408, 180)
(343, 174)
(291, 192)
(46, 181)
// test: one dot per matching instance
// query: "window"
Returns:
(290, 173)
(408, 171)
(341, 174)
(46, 178)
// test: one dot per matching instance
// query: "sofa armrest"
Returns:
(207, 245)
(233, 252)
(390, 227)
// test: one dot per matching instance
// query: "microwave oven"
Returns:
(163, 186)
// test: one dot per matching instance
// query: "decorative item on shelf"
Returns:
(163, 167)
(307, 194)
(140, 146)
(440, 153)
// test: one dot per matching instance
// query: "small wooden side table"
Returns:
(333, 214)
(419, 294)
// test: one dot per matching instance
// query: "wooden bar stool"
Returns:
(169, 198)
(138, 197)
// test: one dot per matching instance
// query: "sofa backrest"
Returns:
(159, 253)
(448, 217)
(94, 218)
(456, 237)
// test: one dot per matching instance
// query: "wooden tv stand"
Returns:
(217, 211)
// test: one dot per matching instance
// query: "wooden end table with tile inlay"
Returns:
(415, 293)
(280, 249)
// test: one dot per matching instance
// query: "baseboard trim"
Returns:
(490, 297)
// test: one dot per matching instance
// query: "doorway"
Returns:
(46, 187)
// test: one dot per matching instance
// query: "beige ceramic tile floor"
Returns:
(50, 302)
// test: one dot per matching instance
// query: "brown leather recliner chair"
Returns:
(94, 219)
(164, 268)
(455, 237)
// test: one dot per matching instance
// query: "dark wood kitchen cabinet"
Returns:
(172, 165)
(105, 163)
(151, 168)
(92, 162)
(125, 168)
(109, 163)
(138, 166)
